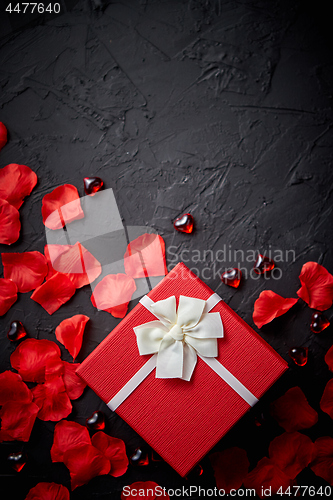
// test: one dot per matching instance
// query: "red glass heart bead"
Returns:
(263, 264)
(184, 223)
(299, 355)
(318, 322)
(17, 460)
(96, 422)
(16, 331)
(232, 277)
(92, 185)
(139, 458)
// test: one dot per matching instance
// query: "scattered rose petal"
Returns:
(230, 468)
(17, 420)
(27, 269)
(269, 306)
(10, 224)
(8, 295)
(113, 294)
(143, 489)
(322, 464)
(77, 263)
(3, 135)
(293, 412)
(267, 475)
(61, 206)
(12, 388)
(329, 358)
(52, 400)
(73, 383)
(317, 286)
(291, 452)
(114, 450)
(51, 253)
(326, 402)
(84, 463)
(68, 435)
(16, 182)
(145, 256)
(48, 491)
(37, 360)
(54, 292)
(70, 333)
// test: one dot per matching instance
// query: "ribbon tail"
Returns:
(170, 358)
(190, 360)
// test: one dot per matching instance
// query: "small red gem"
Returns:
(184, 223)
(17, 460)
(92, 185)
(260, 419)
(139, 458)
(299, 355)
(232, 277)
(96, 422)
(318, 322)
(263, 264)
(16, 331)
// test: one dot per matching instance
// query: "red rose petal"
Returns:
(36, 360)
(317, 286)
(84, 463)
(8, 295)
(114, 450)
(70, 333)
(291, 452)
(16, 182)
(54, 292)
(113, 294)
(10, 224)
(48, 491)
(326, 402)
(267, 475)
(269, 306)
(27, 269)
(73, 383)
(3, 135)
(76, 262)
(12, 388)
(52, 400)
(293, 412)
(145, 256)
(17, 420)
(61, 207)
(51, 253)
(329, 358)
(68, 435)
(322, 464)
(143, 489)
(230, 468)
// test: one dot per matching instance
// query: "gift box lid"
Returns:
(182, 420)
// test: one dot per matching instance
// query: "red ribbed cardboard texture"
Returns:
(182, 420)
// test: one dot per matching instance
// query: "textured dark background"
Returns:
(220, 108)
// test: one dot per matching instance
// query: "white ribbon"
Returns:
(179, 335)
(151, 364)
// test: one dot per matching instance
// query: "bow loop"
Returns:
(179, 335)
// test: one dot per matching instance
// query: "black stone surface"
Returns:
(218, 108)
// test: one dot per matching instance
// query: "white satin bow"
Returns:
(178, 335)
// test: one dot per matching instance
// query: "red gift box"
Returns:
(182, 420)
